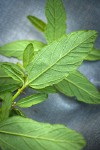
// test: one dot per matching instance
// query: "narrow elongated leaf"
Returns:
(13, 71)
(93, 55)
(56, 17)
(15, 49)
(32, 100)
(58, 59)
(38, 23)
(28, 55)
(6, 105)
(76, 84)
(30, 135)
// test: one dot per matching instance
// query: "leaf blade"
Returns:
(16, 48)
(56, 17)
(38, 23)
(6, 105)
(3, 74)
(6, 82)
(13, 71)
(28, 55)
(94, 55)
(48, 89)
(52, 59)
(38, 135)
(11, 87)
(76, 84)
(31, 100)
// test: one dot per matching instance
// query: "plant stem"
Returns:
(18, 92)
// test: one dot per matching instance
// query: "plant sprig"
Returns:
(46, 68)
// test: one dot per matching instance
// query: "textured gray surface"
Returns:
(58, 108)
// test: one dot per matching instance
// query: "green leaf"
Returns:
(10, 87)
(56, 17)
(31, 135)
(3, 74)
(93, 55)
(38, 23)
(6, 105)
(76, 84)
(58, 59)
(13, 71)
(16, 49)
(6, 82)
(31, 100)
(28, 55)
(48, 89)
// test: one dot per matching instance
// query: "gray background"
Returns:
(81, 14)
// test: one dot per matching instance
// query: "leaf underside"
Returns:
(16, 48)
(58, 59)
(28, 55)
(32, 100)
(6, 105)
(56, 20)
(38, 23)
(11, 87)
(6, 82)
(13, 71)
(76, 84)
(93, 55)
(19, 133)
(48, 89)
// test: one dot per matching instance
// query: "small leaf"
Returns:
(56, 17)
(31, 100)
(6, 105)
(76, 84)
(16, 48)
(58, 59)
(38, 23)
(28, 55)
(93, 55)
(13, 71)
(30, 134)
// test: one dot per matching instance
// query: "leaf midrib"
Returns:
(54, 19)
(34, 137)
(60, 59)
